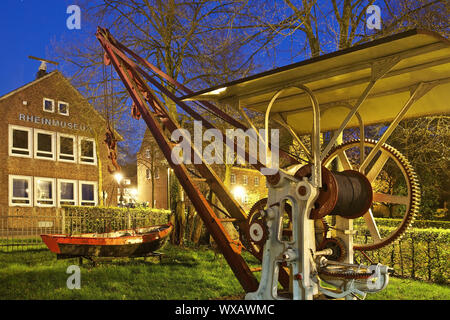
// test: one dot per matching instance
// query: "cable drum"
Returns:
(347, 193)
(354, 194)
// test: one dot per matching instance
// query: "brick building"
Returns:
(151, 162)
(53, 152)
(246, 184)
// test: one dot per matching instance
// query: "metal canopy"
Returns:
(388, 69)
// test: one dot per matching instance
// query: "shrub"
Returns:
(420, 254)
(387, 222)
(105, 219)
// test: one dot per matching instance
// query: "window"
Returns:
(232, 178)
(66, 148)
(87, 151)
(44, 144)
(88, 193)
(245, 180)
(49, 105)
(20, 141)
(156, 173)
(44, 192)
(67, 192)
(147, 153)
(148, 174)
(256, 181)
(20, 191)
(63, 108)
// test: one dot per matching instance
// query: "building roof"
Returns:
(52, 74)
(339, 78)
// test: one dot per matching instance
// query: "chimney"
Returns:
(42, 70)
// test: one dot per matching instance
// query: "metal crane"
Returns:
(290, 231)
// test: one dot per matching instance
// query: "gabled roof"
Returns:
(27, 85)
(57, 73)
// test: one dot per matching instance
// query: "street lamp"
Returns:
(239, 193)
(134, 193)
(119, 177)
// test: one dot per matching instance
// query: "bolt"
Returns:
(273, 179)
(302, 190)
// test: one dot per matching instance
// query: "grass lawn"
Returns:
(183, 274)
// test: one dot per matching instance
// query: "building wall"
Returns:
(31, 115)
(161, 187)
(254, 192)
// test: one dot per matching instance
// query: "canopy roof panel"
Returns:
(338, 79)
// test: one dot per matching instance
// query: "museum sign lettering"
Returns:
(52, 122)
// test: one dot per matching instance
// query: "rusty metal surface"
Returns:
(129, 76)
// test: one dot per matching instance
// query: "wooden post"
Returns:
(62, 212)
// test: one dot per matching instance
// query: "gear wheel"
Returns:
(339, 272)
(337, 246)
(256, 247)
(412, 200)
(254, 216)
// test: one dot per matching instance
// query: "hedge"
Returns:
(420, 254)
(422, 224)
(105, 219)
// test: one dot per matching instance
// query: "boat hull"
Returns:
(125, 243)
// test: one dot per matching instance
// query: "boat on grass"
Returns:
(139, 242)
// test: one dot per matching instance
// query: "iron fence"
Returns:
(20, 231)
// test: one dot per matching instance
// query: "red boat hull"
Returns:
(124, 243)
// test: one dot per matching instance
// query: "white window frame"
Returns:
(232, 178)
(36, 200)
(63, 114)
(80, 160)
(10, 191)
(53, 105)
(80, 192)
(148, 173)
(35, 142)
(256, 181)
(147, 153)
(245, 180)
(58, 147)
(75, 192)
(11, 129)
(156, 173)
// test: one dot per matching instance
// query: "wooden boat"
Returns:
(138, 242)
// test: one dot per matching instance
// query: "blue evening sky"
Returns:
(27, 27)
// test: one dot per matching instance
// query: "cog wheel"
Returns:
(340, 272)
(348, 154)
(337, 246)
(254, 217)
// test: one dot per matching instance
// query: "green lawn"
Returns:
(183, 274)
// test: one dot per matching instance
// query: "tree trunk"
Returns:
(100, 176)
(152, 175)
(197, 232)
(190, 222)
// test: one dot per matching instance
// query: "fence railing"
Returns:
(20, 230)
